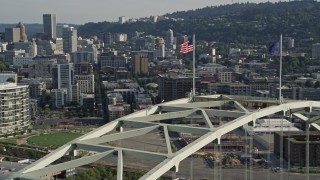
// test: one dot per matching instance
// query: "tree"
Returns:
(11, 80)
(309, 83)
(2, 67)
(317, 84)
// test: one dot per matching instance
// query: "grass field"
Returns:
(9, 140)
(54, 139)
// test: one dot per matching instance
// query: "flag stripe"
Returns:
(186, 46)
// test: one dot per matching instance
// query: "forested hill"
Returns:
(237, 23)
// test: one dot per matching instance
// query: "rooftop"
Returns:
(7, 85)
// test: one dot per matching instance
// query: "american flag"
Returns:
(187, 46)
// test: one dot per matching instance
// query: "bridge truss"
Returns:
(154, 120)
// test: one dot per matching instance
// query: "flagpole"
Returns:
(280, 71)
(194, 66)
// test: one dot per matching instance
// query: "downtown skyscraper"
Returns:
(70, 39)
(50, 25)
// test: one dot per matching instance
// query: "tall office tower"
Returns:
(15, 109)
(23, 35)
(83, 73)
(50, 25)
(12, 34)
(60, 29)
(169, 37)
(108, 38)
(162, 50)
(70, 39)
(140, 64)
(63, 78)
(62, 75)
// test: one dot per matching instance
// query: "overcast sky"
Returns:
(82, 11)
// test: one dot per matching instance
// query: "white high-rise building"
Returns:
(70, 39)
(63, 75)
(15, 109)
(59, 46)
(162, 50)
(50, 25)
(169, 38)
(122, 19)
(63, 78)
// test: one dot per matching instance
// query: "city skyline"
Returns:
(100, 11)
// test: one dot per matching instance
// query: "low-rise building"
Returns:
(36, 87)
(122, 74)
(261, 83)
(142, 101)
(127, 94)
(41, 67)
(297, 142)
(119, 110)
(21, 61)
(114, 98)
(6, 76)
(173, 86)
(117, 62)
(225, 76)
(229, 88)
(87, 100)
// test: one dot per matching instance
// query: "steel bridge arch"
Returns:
(148, 120)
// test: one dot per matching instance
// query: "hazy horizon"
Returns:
(83, 11)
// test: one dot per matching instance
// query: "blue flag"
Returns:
(274, 48)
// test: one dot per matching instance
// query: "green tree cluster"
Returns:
(4, 66)
(11, 80)
(237, 23)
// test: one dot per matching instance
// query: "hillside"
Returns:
(237, 23)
